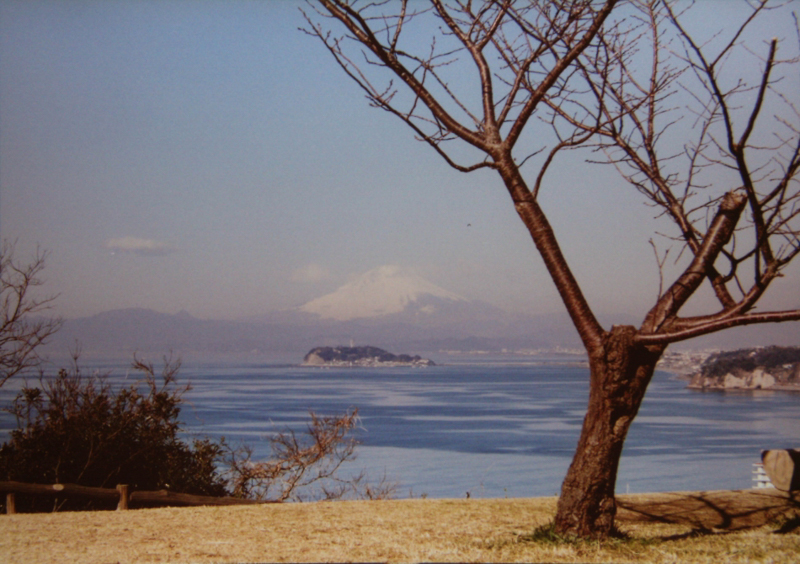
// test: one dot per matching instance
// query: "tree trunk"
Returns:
(620, 373)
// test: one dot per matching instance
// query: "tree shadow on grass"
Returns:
(714, 512)
(695, 533)
(789, 525)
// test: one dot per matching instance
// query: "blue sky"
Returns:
(209, 157)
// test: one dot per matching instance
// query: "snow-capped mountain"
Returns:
(380, 292)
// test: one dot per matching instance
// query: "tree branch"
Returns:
(715, 326)
(718, 235)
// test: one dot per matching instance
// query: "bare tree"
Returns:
(306, 466)
(730, 191)
(23, 326)
(604, 76)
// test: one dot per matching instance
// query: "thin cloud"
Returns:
(139, 246)
(310, 274)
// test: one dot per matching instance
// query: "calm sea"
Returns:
(493, 427)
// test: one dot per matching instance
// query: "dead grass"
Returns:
(747, 526)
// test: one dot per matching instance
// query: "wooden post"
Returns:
(11, 504)
(124, 497)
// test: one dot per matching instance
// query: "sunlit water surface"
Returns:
(493, 427)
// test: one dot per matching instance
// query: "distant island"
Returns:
(361, 357)
(768, 368)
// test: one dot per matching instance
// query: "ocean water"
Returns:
(493, 427)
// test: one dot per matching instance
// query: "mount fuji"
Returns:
(381, 292)
(396, 307)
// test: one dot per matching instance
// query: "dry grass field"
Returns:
(725, 526)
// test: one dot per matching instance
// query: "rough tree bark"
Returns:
(620, 370)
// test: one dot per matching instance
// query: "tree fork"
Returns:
(620, 375)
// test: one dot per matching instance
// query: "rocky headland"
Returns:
(361, 357)
(768, 368)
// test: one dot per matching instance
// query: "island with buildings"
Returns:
(766, 368)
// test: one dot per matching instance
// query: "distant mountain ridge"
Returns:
(138, 329)
(387, 307)
(141, 330)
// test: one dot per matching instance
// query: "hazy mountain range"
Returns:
(387, 307)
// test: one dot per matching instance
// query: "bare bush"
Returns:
(24, 328)
(305, 467)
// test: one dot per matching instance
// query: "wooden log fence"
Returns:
(121, 494)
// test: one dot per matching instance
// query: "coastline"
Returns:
(692, 367)
(790, 388)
